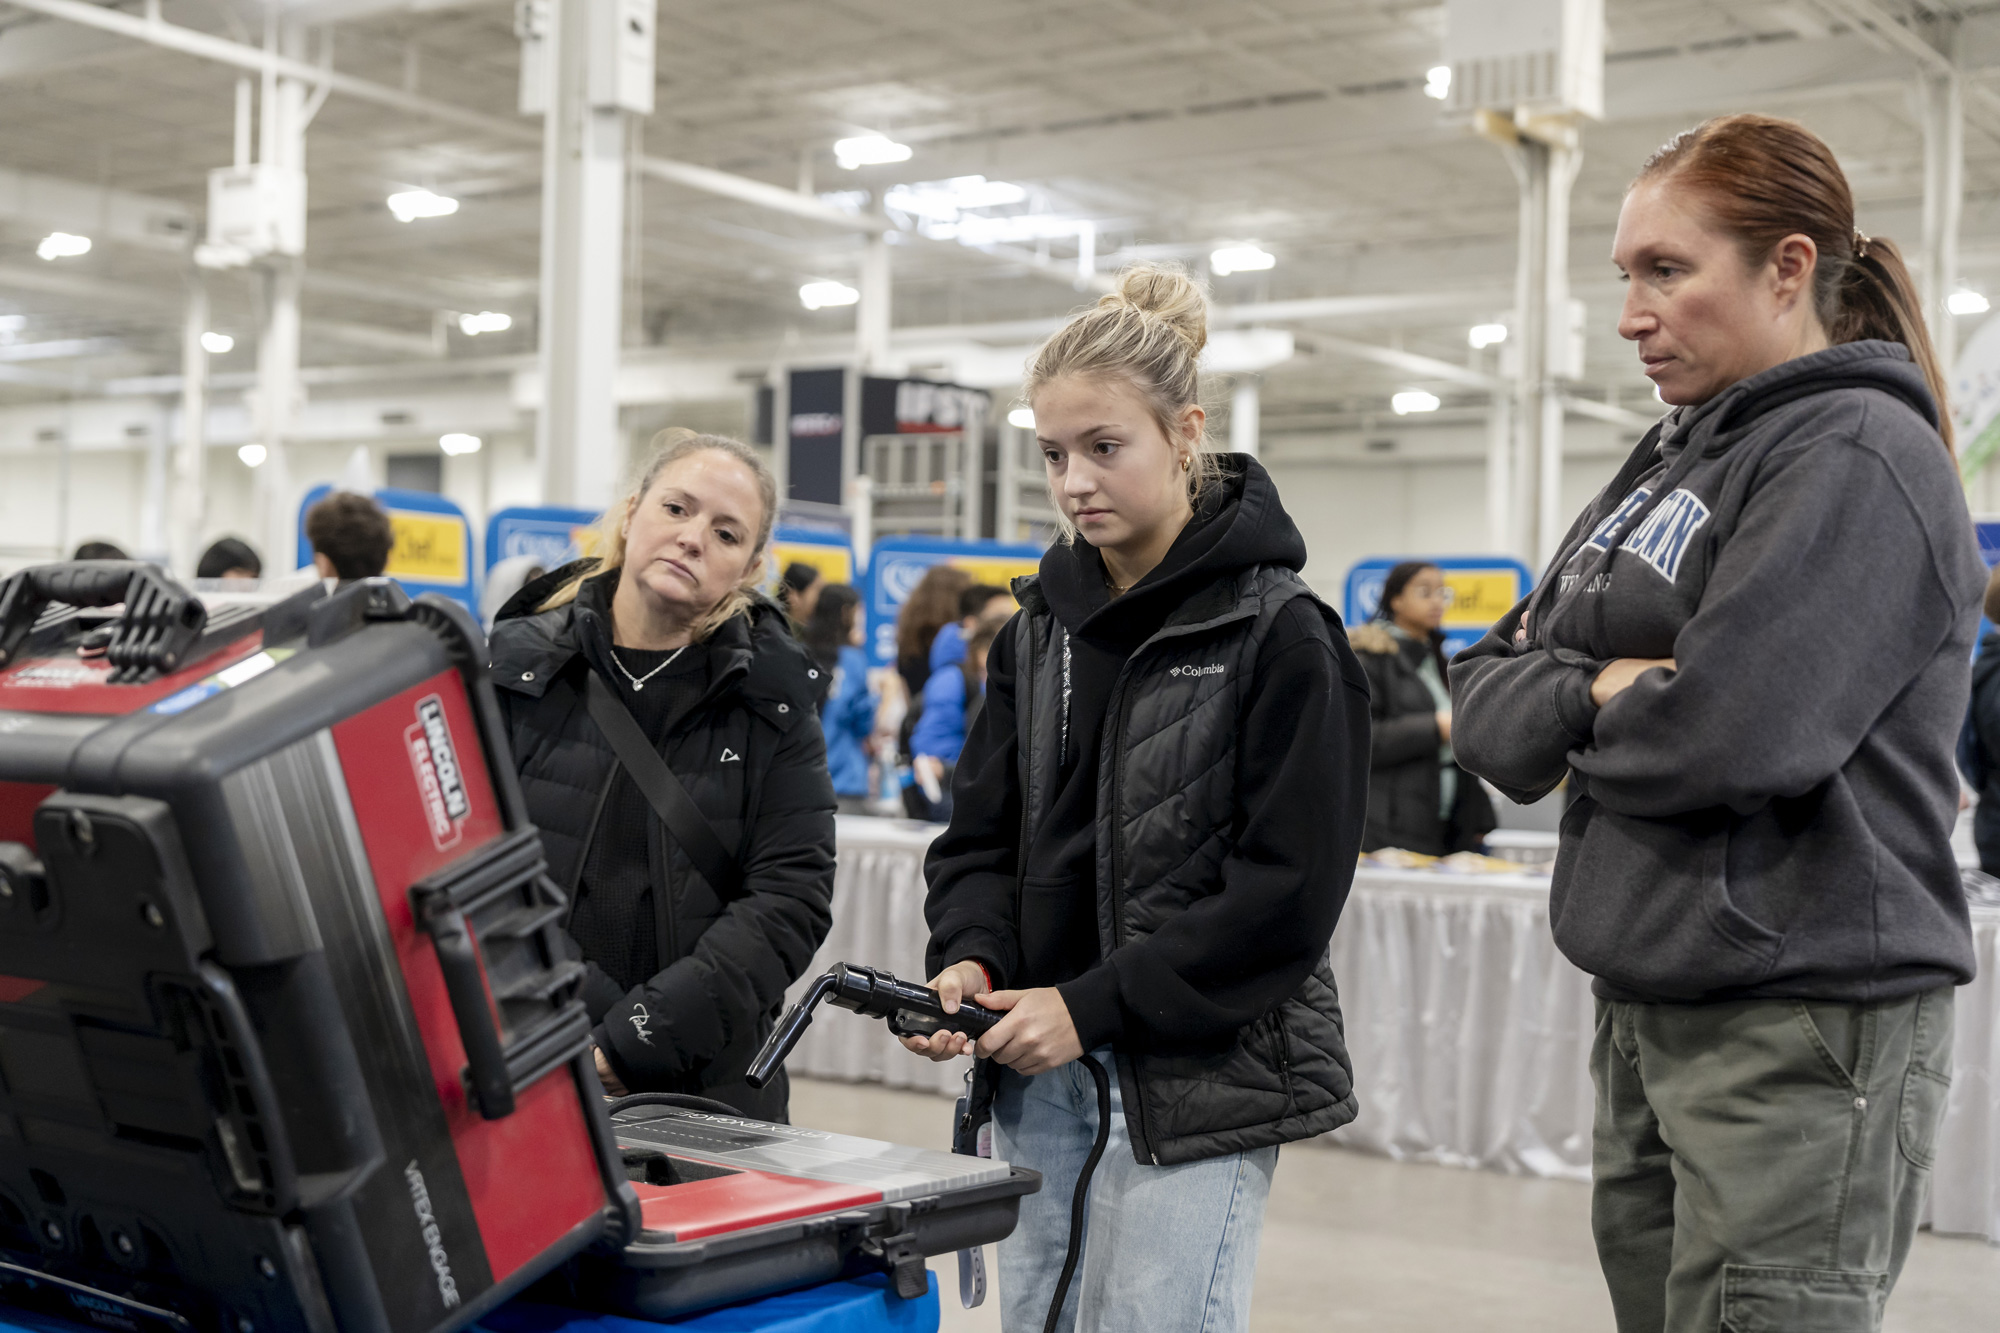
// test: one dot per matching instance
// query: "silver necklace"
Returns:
(639, 682)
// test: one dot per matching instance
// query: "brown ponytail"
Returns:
(1764, 179)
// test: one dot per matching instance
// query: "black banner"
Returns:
(812, 436)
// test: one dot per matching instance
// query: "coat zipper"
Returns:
(1027, 728)
(1122, 717)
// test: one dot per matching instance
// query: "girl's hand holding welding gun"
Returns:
(1036, 1035)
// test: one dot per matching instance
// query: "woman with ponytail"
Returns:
(1155, 823)
(1751, 655)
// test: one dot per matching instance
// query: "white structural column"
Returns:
(871, 312)
(1245, 410)
(578, 447)
(1500, 473)
(1942, 95)
(1545, 170)
(277, 404)
(187, 510)
(283, 117)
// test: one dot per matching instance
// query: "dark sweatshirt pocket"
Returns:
(1646, 905)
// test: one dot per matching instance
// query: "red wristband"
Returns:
(984, 976)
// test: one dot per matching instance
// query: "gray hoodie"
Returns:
(1771, 819)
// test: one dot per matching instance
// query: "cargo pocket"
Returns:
(1801, 1300)
(1927, 1082)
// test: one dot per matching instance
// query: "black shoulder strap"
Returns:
(662, 790)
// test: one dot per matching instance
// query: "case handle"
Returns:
(162, 620)
(486, 1060)
(504, 886)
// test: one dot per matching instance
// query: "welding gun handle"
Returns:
(921, 1020)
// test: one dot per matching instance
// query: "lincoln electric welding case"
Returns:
(287, 1029)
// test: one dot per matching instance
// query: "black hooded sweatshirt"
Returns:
(1240, 526)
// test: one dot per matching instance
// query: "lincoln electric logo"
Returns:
(440, 783)
(420, 1199)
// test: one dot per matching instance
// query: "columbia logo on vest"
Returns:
(1214, 669)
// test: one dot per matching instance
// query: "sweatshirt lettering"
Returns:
(1662, 540)
(1607, 531)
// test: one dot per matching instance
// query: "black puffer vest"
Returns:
(1165, 805)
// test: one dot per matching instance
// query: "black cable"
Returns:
(686, 1101)
(1078, 1201)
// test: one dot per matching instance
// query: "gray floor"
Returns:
(1353, 1242)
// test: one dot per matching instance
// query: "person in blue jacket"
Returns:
(951, 700)
(936, 737)
(847, 711)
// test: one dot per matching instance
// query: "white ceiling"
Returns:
(1300, 124)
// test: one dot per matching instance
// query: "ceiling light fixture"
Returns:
(252, 455)
(1437, 82)
(869, 150)
(818, 295)
(1245, 258)
(946, 199)
(1483, 336)
(1022, 418)
(1414, 400)
(215, 344)
(1965, 301)
(458, 442)
(62, 245)
(408, 205)
(486, 321)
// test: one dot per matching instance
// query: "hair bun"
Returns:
(1169, 293)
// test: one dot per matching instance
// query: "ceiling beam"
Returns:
(34, 50)
(1425, 367)
(96, 211)
(204, 46)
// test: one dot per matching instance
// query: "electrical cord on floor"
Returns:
(1078, 1213)
(686, 1101)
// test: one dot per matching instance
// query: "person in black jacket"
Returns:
(1156, 818)
(1979, 743)
(1417, 798)
(682, 981)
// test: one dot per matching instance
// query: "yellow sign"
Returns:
(834, 563)
(430, 547)
(1480, 596)
(1000, 572)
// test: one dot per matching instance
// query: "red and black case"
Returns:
(287, 1030)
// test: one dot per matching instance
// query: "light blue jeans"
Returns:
(1167, 1249)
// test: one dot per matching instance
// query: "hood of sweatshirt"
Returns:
(1239, 525)
(1868, 364)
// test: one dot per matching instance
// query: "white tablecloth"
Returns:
(1470, 1033)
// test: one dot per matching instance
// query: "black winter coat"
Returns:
(1979, 752)
(752, 756)
(1405, 774)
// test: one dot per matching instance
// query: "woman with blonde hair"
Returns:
(655, 668)
(1156, 817)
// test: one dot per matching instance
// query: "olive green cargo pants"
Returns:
(1759, 1166)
